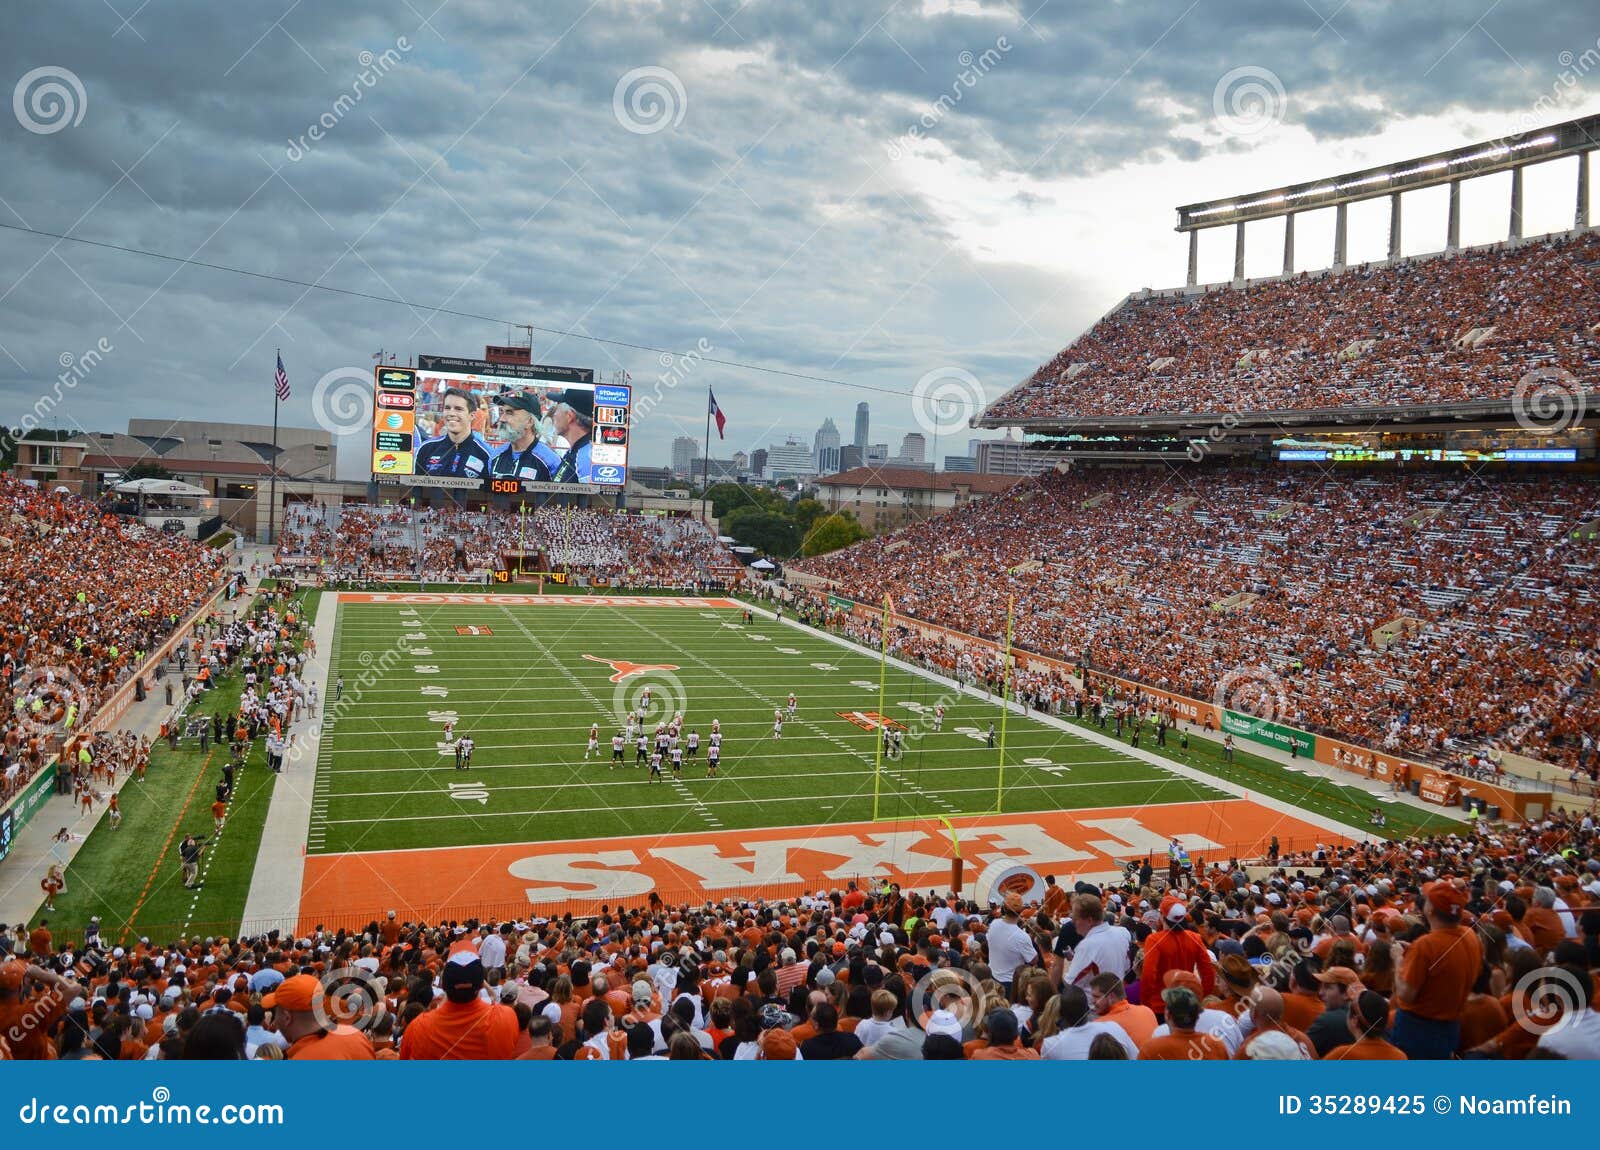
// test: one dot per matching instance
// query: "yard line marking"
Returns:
(714, 803)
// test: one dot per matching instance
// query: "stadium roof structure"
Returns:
(1512, 153)
(1509, 152)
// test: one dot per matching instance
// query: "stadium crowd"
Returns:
(1369, 336)
(84, 597)
(1419, 613)
(1473, 947)
(361, 543)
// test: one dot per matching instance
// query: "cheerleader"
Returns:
(53, 883)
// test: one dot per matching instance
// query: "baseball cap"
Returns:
(1186, 978)
(520, 400)
(12, 974)
(297, 993)
(462, 976)
(778, 1045)
(944, 1022)
(1446, 897)
(579, 400)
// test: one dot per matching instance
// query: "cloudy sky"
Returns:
(869, 192)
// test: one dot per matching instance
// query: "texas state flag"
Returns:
(716, 413)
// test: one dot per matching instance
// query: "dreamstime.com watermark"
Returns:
(48, 99)
(1248, 100)
(159, 1110)
(341, 401)
(373, 69)
(74, 370)
(973, 69)
(946, 399)
(675, 369)
(648, 100)
(373, 670)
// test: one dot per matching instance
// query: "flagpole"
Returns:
(272, 499)
(705, 462)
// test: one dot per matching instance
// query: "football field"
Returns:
(536, 819)
(526, 682)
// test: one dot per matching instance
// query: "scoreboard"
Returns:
(499, 427)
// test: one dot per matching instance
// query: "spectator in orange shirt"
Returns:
(463, 1027)
(296, 1014)
(1003, 1040)
(1266, 1012)
(1111, 1004)
(1369, 1018)
(1437, 973)
(1176, 947)
(1182, 1042)
(1543, 926)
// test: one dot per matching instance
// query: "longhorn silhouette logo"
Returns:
(625, 669)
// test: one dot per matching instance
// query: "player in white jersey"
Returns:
(642, 746)
(594, 742)
(644, 700)
(677, 760)
(617, 743)
(777, 724)
(467, 746)
(694, 744)
(716, 740)
(713, 759)
(938, 717)
(792, 704)
(655, 767)
(450, 732)
(716, 726)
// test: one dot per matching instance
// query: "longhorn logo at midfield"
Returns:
(625, 669)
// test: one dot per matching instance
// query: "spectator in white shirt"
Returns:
(1010, 946)
(1079, 1029)
(1577, 1034)
(1102, 947)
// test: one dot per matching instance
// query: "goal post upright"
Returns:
(883, 679)
(1005, 708)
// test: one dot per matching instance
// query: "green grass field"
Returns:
(527, 695)
(131, 877)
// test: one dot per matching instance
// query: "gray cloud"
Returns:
(485, 171)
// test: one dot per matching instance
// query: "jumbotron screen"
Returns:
(505, 428)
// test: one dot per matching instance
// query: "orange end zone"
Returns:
(489, 599)
(549, 878)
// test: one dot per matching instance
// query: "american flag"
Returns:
(280, 379)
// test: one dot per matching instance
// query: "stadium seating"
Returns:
(356, 541)
(84, 596)
(1236, 962)
(1443, 329)
(1136, 573)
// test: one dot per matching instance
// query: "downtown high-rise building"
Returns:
(684, 452)
(825, 448)
(861, 426)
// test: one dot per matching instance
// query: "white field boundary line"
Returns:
(278, 877)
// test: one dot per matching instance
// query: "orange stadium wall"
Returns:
(1330, 751)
